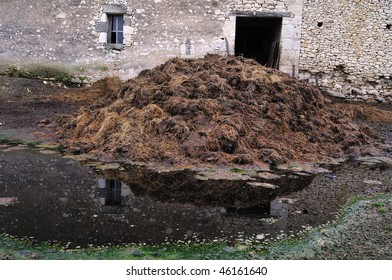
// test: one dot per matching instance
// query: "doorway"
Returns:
(259, 38)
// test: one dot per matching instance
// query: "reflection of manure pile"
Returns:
(215, 109)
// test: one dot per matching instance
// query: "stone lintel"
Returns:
(118, 9)
(262, 14)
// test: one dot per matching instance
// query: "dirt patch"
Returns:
(222, 110)
(28, 108)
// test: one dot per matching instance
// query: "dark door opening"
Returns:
(259, 38)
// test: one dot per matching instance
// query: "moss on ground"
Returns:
(327, 242)
(55, 73)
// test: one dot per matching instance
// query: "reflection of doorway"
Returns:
(259, 38)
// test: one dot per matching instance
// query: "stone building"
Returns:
(344, 46)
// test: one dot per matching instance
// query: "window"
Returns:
(116, 29)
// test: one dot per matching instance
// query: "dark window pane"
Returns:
(113, 38)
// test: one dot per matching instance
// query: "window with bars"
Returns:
(116, 29)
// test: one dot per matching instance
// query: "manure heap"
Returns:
(221, 110)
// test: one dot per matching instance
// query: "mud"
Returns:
(28, 109)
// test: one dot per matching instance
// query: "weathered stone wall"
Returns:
(54, 31)
(190, 29)
(163, 27)
(67, 32)
(346, 46)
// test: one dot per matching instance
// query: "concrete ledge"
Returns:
(114, 46)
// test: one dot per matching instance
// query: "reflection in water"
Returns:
(53, 198)
(280, 211)
(109, 191)
(112, 195)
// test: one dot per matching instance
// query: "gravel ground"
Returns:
(364, 232)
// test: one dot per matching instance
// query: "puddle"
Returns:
(49, 198)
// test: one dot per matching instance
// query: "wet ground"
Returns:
(26, 110)
(45, 196)
(55, 199)
(86, 208)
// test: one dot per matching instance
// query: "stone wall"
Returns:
(164, 27)
(54, 31)
(346, 47)
(68, 32)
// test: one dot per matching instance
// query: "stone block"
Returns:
(104, 18)
(297, 45)
(128, 30)
(287, 43)
(115, 9)
(229, 29)
(127, 21)
(128, 39)
(335, 94)
(103, 37)
(288, 69)
(102, 26)
(288, 31)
